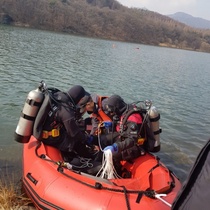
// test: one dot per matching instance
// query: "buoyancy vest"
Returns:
(52, 126)
(43, 113)
(144, 135)
(130, 123)
(130, 134)
(47, 112)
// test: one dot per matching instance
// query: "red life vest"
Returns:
(101, 116)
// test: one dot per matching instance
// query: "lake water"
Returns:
(177, 81)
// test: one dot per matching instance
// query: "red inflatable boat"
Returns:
(51, 185)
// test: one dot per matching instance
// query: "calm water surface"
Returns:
(177, 81)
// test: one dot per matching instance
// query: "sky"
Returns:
(196, 8)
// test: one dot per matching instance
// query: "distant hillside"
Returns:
(189, 20)
(106, 19)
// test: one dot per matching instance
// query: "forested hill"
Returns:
(106, 19)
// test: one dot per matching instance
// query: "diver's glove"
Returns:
(89, 140)
(113, 148)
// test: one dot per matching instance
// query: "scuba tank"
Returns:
(31, 107)
(154, 117)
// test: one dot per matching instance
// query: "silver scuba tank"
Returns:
(31, 107)
(154, 119)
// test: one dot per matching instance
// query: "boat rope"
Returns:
(107, 171)
(126, 198)
(42, 156)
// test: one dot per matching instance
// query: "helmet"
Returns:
(82, 103)
(114, 105)
(77, 93)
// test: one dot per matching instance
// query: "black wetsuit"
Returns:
(62, 116)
